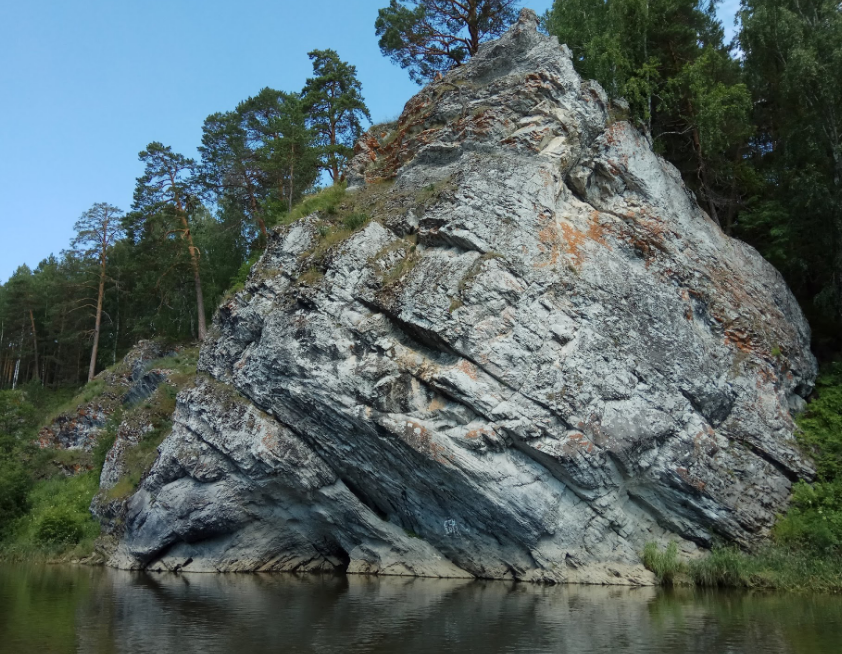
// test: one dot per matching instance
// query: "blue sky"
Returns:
(85, 85)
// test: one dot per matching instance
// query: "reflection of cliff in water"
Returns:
(62, 609)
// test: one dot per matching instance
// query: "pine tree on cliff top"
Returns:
(429, 37)
(97, 231)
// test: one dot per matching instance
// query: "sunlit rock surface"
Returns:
(539, 355)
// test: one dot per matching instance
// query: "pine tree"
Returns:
(276, 131)
(168, 191)
(335, 108)
(231, 169)
(429, 37)
(96, 232)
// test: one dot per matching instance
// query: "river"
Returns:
(58, 609)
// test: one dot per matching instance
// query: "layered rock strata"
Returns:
(538, 355)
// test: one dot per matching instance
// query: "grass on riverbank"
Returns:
(774, 567)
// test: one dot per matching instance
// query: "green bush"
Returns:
(58, 527)
(15, 484)
(821, 425)
(664, 564)
(239, 281)
(814, 520)
(355, 221)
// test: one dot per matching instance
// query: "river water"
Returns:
(58, 609)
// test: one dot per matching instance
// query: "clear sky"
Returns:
(85, 85)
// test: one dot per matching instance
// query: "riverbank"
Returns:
(774, 567)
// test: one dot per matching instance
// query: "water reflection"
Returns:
(91, 610)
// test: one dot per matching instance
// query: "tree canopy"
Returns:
(429, 37)
(335, 108)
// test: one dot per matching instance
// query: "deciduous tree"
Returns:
(792, 53)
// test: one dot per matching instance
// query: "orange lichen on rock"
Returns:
(739, 338)
(575, 239)
(419, 439)
(468, 368)
(578, 441)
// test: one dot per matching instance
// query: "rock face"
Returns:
(80, 429)
(538, 355)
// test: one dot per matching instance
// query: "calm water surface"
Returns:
(58, 609)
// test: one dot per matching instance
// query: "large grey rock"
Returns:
(540, 355)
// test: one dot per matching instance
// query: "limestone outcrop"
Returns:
(537, 355)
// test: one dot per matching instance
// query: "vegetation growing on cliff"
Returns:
(46, 494)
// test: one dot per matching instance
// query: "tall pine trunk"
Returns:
(100, 294)
(194, 261)
(35, 375)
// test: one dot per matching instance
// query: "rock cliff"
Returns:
(524, 353)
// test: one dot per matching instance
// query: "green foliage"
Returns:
(821, 424)
(325, 201)
(15, 484)
(663, 563)
(16, 414)
(58, 527)
(428, 37)
(335, 108)
(59, 521)
(242, 276)
(793, 66)
(773, 568)
(283, 146)
(355, 221)
(814, 521)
